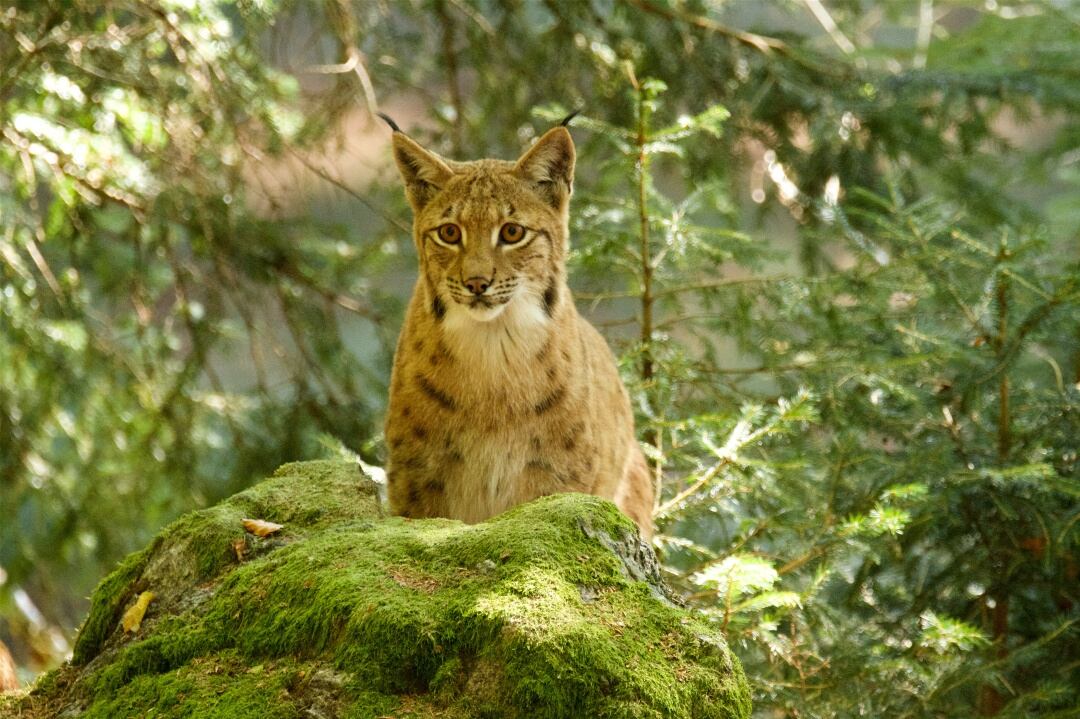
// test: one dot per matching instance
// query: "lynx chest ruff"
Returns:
(500, 391)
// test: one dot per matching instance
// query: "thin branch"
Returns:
(315, 368)
(800, 561)
(474, 15)
(341, 300)
(724, 282)
(949, 283)
(344, 28)
(354, 62)
(1029, 324)
(356, 195)
(741, 542)
(761, 43)
(232, 287)
(694, 488)
(728, 455)
(39, 231)
(695, 287)
(62, 161)
(922, 38)
(821, 14)
(600, 324)
(30, 50)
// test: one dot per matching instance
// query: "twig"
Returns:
(353, 63)
(1030, 323)
(697, 286)
(926, 28)
(814, 552)
(232, 287)
(745, 539)
(694, 488)
(341, 300)
(30, 50)
(39, 231)
(356, 195)
(474, 15)
(345, 31)
(821, 14)
(762, 43)
(315, 368)
(738, 439)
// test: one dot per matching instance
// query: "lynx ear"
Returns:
(549, 166)
(424, 172)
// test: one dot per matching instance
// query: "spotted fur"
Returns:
(501, 397)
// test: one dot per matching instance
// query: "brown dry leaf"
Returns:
(239, 546)
(260, 527)
(134, 615)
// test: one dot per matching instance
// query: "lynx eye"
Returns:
(511, 233)
(449, 233)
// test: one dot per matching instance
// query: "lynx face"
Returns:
(480, 254)
(490, 234)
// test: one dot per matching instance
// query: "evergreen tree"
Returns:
(837, 253)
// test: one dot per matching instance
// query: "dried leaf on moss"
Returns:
(133, 617)
(261, 528)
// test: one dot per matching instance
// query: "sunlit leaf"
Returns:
(738, 574)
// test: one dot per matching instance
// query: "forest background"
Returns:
(836, 246)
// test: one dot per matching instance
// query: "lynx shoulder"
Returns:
(500, 391)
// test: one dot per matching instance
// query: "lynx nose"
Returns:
(478, 285)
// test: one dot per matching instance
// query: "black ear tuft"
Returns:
(393, 125)
(566, 120)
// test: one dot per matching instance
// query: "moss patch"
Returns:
(553, 609)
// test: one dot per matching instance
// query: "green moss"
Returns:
(106, 603)
(199, 546)
(221, 686)
(531, 614)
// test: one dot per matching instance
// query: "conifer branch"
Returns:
(761, 43)
(690, 287)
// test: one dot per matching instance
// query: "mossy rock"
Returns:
(553, 609)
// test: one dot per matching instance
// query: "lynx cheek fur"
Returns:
(501, 392)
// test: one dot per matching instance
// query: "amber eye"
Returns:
(449, 233)
(511, 233)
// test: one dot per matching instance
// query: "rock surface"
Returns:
(553, 609)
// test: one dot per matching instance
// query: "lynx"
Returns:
(500, 391)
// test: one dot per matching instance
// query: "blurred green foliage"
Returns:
(837, 252)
